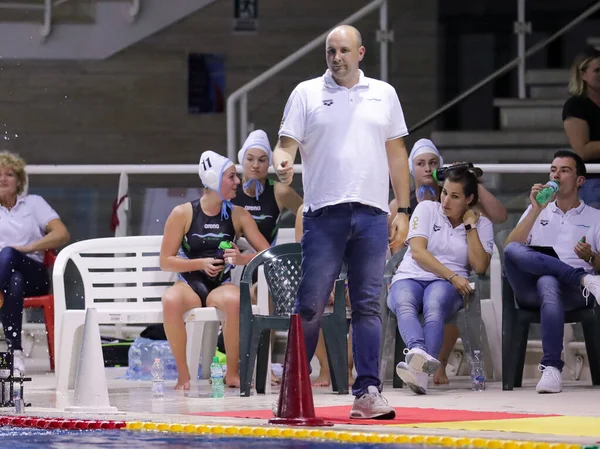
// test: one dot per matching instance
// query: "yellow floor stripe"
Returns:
(552, 425)
(344, 436)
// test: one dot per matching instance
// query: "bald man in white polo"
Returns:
(349, 129)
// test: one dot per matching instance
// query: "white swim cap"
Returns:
(256, 139)
(211, 168)
(423, 146)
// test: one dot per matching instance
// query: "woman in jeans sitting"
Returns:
(445, 240)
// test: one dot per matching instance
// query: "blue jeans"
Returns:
(590, 192)
(20, 276)
(550, 285)
(357, 234)
(438, 300)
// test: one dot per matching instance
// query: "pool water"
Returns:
(26, 438)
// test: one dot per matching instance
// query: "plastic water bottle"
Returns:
(216, 378)
(134, 369)
(477, 372)
(18, 401)
(158, 379)
(544, 195)
(143, 352)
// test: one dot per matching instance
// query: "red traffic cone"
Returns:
(296, 407)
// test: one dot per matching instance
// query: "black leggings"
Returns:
(20, 277)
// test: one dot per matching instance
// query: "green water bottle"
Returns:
(224, 245)
(546, 193)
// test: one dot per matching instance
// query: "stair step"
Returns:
(530, 113)
(517, 140)
(544, 77)
(594, 42)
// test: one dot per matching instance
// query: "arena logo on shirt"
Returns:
(327, 102)
(436, 228)
(544, 222)
(211, 226)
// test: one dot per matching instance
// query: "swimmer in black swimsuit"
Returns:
(264, 198)
(192, 235)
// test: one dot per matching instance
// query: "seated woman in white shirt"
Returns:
(423, 160)
(28, 226)
(446, 240)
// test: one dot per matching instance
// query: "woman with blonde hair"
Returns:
(28, 227)
(581, 118)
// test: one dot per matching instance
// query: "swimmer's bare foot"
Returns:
(232, 381)
(324, 380)
(182, 385)
(440, 377)
(275, 380)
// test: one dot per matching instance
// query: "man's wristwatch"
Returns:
(468, 227)
(405, 210)
(592, 259)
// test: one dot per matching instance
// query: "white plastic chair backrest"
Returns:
(117, 272)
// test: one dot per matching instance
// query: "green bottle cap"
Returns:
(215, 359)
(225, 245)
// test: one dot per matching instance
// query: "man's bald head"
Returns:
(346, 31)
(344, 51)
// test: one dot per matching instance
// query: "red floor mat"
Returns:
(404, 415)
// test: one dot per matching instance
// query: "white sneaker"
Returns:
(416, 381)
(551, 381)
(372, 405)
(591, 284)
(18, 364)
(420, 361)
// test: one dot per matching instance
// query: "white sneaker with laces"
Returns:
(420, 361)
(18, 363)
(416, 381)
(591, 284)
(551, 381)
(372, 405)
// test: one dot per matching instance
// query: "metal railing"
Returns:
(125, 170)
(518, 61)
(384, 36)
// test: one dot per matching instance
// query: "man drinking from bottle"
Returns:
(550, 258)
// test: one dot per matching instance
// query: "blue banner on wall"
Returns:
(206, 84)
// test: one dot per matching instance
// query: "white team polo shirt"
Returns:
(25, 223)
(445, 243)
(341, 135)
(562, 231)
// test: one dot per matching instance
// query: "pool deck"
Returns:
(134, 401)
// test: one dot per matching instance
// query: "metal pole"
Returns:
(243, 119)
(383, 43)
(521, 30)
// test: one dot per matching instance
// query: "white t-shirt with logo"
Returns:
(341, 135)
(26, 223)
(562, 231)
(446, 243)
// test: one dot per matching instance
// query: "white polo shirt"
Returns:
(562, 231)
(25, 223)
(445, 243)
(341, 135)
